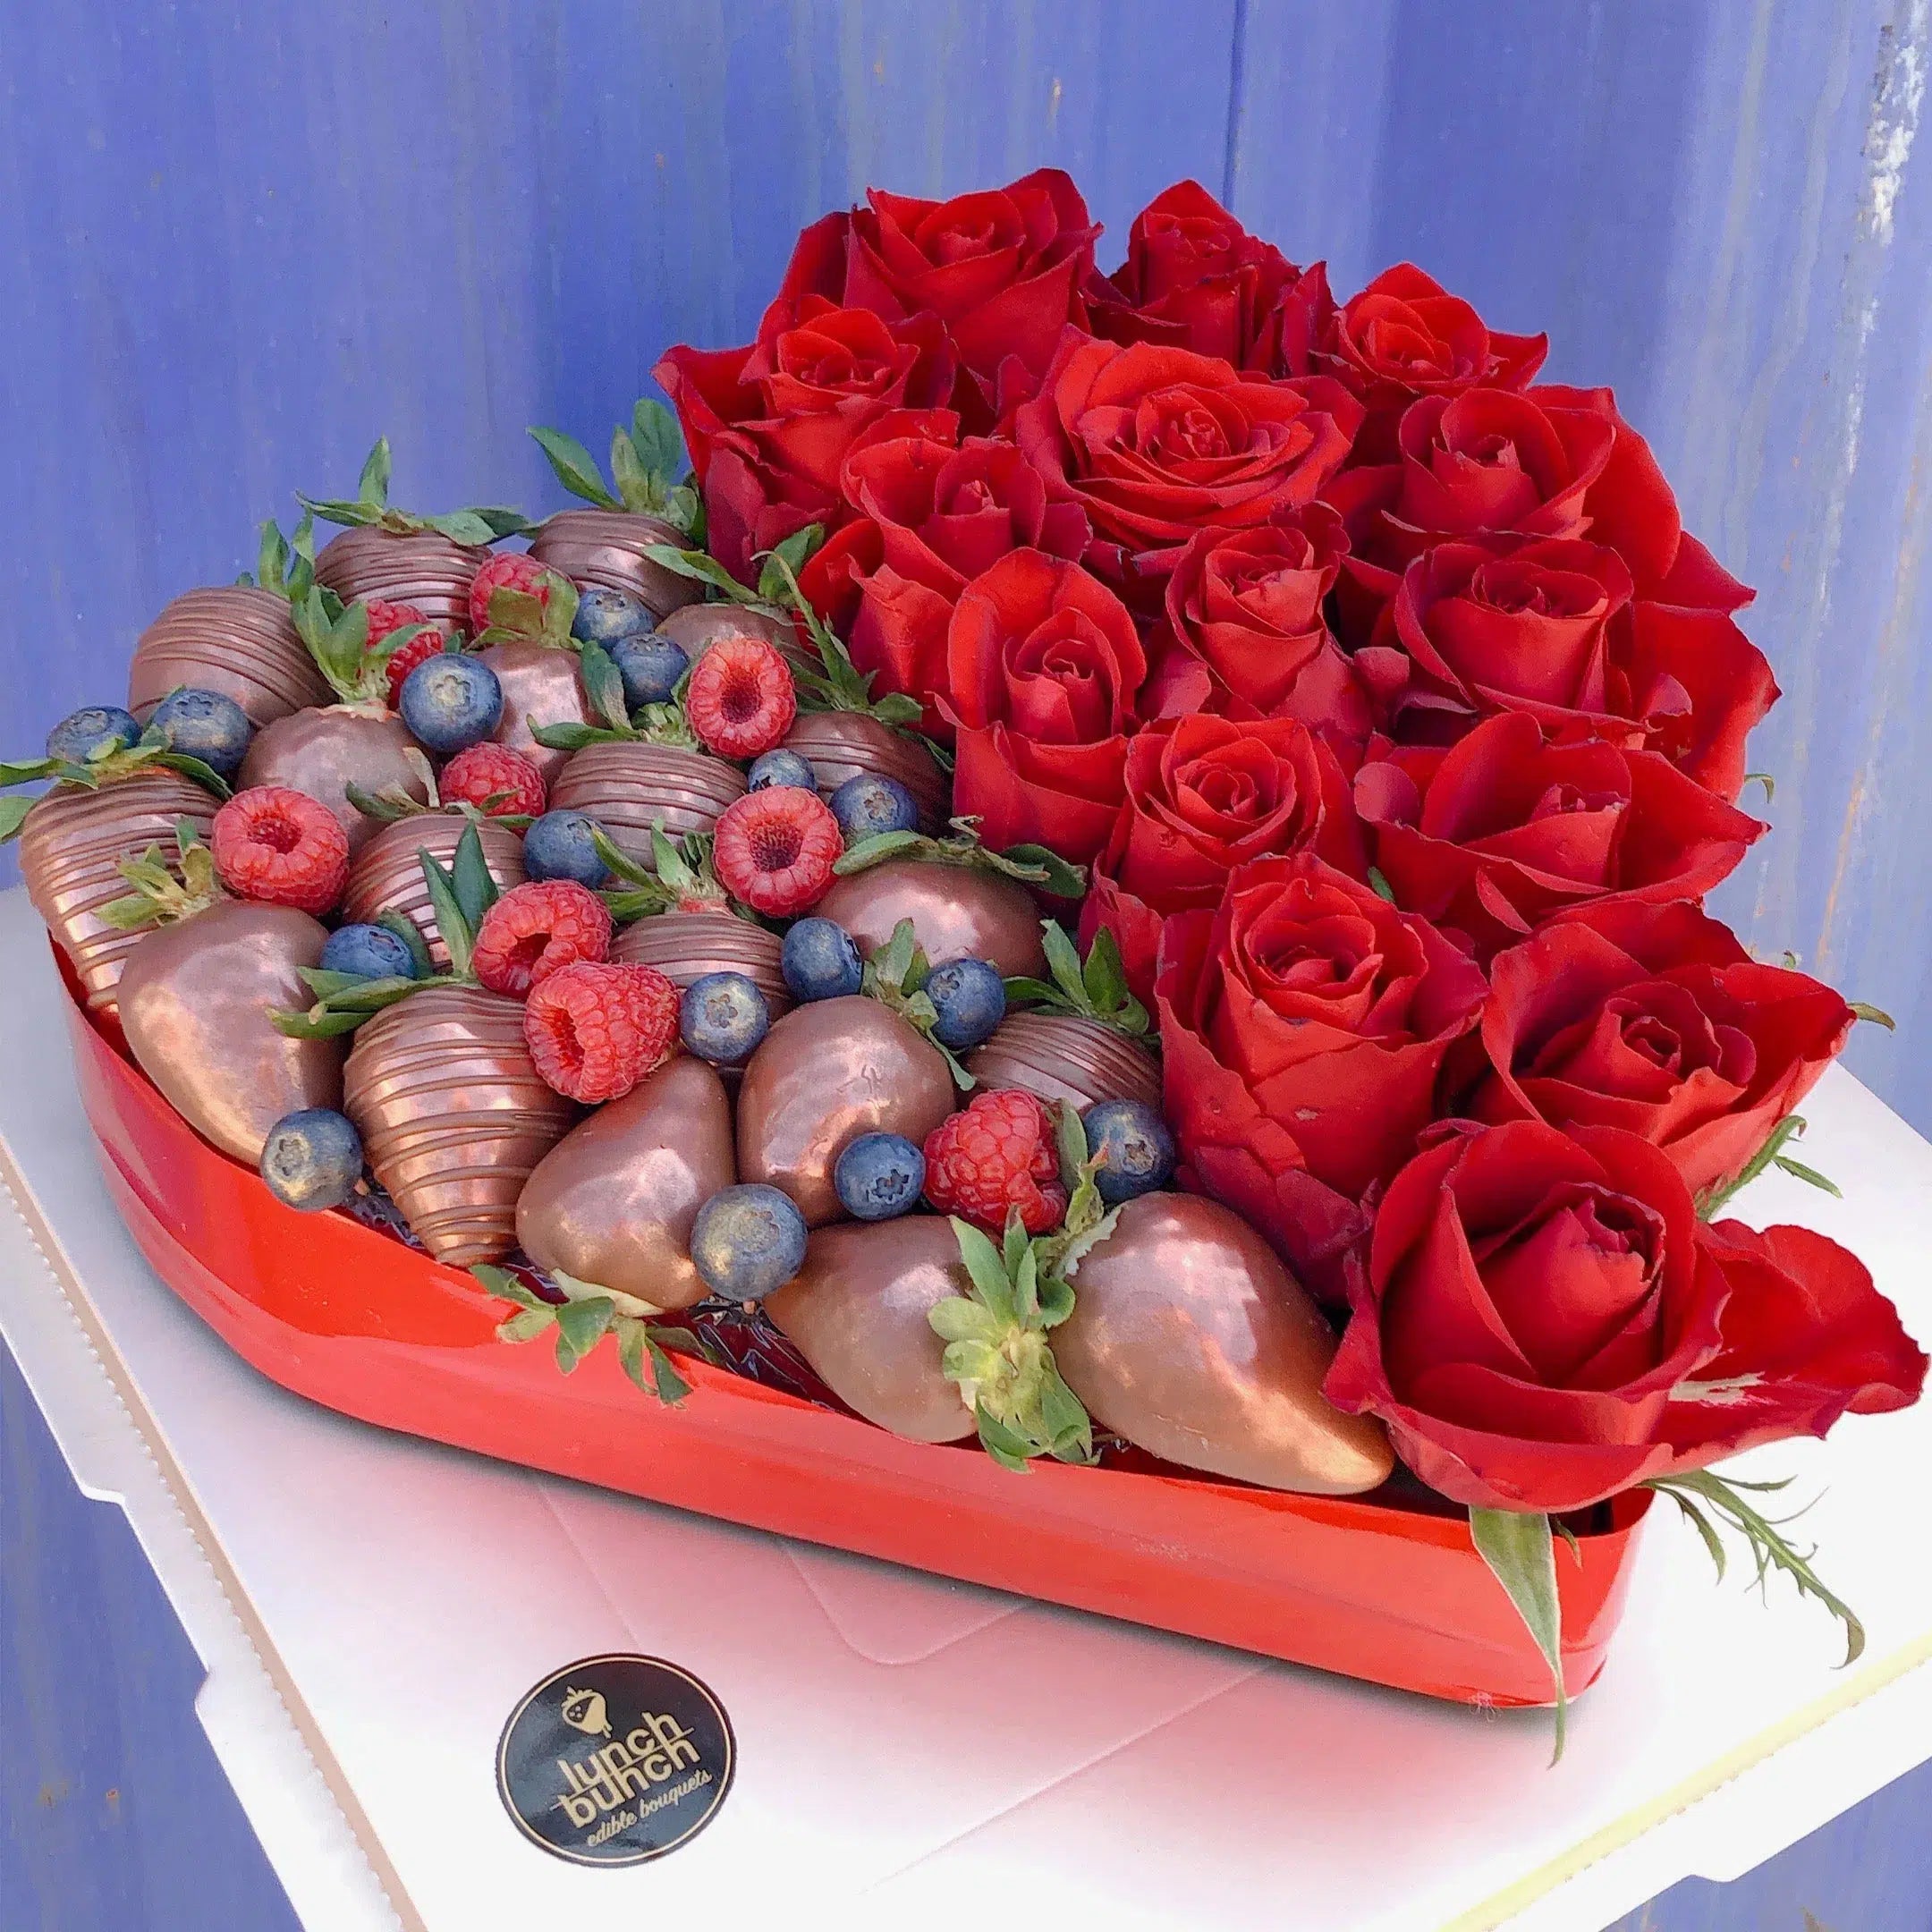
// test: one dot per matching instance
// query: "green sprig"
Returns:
(587, 1314)
(371, 509)
(1517, 1547)
(896, 976)
(648, 475)
(1094, 989)
(1713, 1200)
(1027, 865)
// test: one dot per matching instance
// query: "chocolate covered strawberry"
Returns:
(633, 772)
(647, 502)
(1078, 1036)
(441, 1082)
(239, 639)
(424, 561)
(386, 876)
(115, 791)
(677, 916)
(521, 613)
(197, 991)
(355, 745)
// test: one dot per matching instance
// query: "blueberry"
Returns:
(747, 1240)
(721, 1017)
(559, 846)
(312, 1158)
(879, 1175)
(449, 702)
(781, 767)
(650, 668)
(370, 952)
(821, 961)
(868, 805)
(604, 615)
(970, 999)
(1138, 1149)
(92, 729)
(206, 725)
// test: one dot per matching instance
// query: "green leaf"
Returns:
(469, 877)
(1064, 961)
(1105, 977)
(1809, 1176)
(969, 1359)
(1383, 889)
(446, 908)
(1026, 1288)
(958, 1319)
(27, 771)
(786, 560)
(404, 927)
(638, 1349)
(1517, 1547)
(335, 510)
(468, 526)
(573, 737)
(1875, 1015)
(372, 486)
(272, 559)
(602, 683)
(1715, 1198)
(580, 1325)
(659, 448)
(988, 1270)
(204, 775)
(1056, 1300)
(1069, 1429)
(316, 1025)
(13, 817)
(526, 1325)
(1769, 1547)
(1013, 1244)
(500, 1282)
(639, 489)
(1007, 1448)
(501, 518)
(576, 468)
(866, 853)
(1070, 1142)
(702, 569)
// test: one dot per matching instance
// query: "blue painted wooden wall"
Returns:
(236, 240)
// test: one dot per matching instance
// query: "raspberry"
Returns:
(740, 699)
(513, 571)
(384, 619)
(495, 779)
(280, 847)
(997, 1154)
(420, 650)
(538, 929)
(595, 1031)
(775, 848)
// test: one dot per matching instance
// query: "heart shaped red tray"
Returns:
(353, 1319)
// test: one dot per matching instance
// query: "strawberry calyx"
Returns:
(106, 765)
(648, 475)
(603, 683)
(585, 1314)
(337, 637)
(680, 878)
(391, 802)
(997, 1334)
(285, 567)
(164, 894)
(1028, 865)
(459, 896)
(896, 976)
(371, 509)
(1094, 989)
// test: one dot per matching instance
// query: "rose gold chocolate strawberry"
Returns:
(74, 836)
(648, 504)
(196, 992)
(387, 876)
(679, 918)
(440, 1081)
(239, 639)
(356, 745)
(633, 775)
(1085, 1038)
(403, 558)
(696, 627)
(528, 644)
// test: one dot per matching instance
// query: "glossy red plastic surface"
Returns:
(344, 1315)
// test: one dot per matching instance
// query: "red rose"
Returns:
(1502, 831)
(1654, 1019)
(1631, 508)
(1002, 269)
(768, 425)
(1194, 278)
(1204, 796)
(1304, 1022)
(1542, 1323)
(936, 513)
(1155, 444)
(1406, 337)
(1244, 614)
(1043, 666)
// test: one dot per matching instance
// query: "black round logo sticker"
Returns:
(615, 1759)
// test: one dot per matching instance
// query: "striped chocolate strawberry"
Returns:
(440, 1081)
(127, 792)
(402, 558)
(526, 640)
(239, 639)
(643, 504)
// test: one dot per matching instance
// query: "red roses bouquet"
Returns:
(1401, 726)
